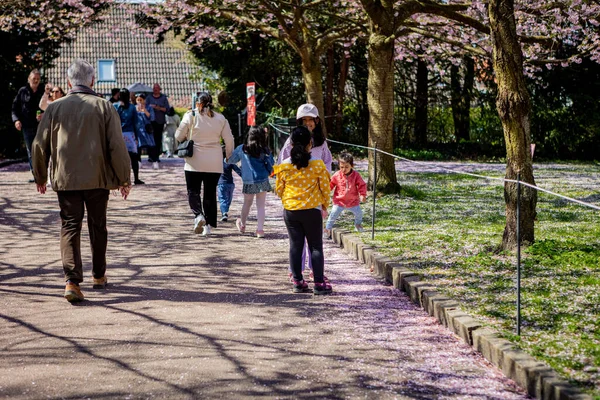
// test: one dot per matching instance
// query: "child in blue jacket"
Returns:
(225, 188)
(257, 165)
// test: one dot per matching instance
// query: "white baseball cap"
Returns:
(307, 110)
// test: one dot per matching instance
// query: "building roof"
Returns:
(137, 58)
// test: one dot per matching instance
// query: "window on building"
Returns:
(106, 71)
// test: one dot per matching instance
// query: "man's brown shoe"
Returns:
(100, 283)
(73, 293)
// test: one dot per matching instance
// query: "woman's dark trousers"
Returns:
(155, 152)
(208, 205)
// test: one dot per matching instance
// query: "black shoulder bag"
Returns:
(186, 148)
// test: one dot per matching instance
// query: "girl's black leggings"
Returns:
(305, 224)
(135, 166)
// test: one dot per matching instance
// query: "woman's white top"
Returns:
(206, 134)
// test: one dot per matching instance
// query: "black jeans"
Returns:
(29, 135)
(155, 152)
(72, 204)
(135, 166)
(208, 205)
(305, 224)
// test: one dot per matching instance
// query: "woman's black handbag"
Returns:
(186, 148)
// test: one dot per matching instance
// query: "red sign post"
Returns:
(251, 105)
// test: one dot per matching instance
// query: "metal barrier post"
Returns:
(518, 254)
(239, 125)
(374, 190)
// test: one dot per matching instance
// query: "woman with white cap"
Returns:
(308, 115)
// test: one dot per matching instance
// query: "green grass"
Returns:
(447, 227)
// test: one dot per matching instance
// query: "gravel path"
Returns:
(192, 317)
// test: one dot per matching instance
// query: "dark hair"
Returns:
(114, 91)
(142, 95)
(62, 92)
(206, 102)
(300, 138)
(124, 96)
(347, 158)
(317, 133)
(256, 142)
(223, 98)
(171, 111)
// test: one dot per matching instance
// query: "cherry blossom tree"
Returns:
(514, 106)
(496, 29)
(31, 32)
(54, 20)
(405, 29)
(309, 27)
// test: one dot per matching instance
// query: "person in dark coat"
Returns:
(26, 112)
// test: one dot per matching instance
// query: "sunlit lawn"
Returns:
(448, 227)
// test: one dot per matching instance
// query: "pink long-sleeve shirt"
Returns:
(347, 189)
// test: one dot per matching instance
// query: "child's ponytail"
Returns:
(300, 139)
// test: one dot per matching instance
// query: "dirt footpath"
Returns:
(186, 316)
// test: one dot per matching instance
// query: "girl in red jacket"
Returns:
(349, 190)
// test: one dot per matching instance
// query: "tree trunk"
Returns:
(513, 105)
(381, 109)
(329, 90)
(461, 98)
(421, 104)
(313, 82)
(341, 94)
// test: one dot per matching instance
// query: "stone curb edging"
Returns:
(539, 380)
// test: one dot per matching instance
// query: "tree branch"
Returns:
(325, 41)
(570, 59)
(253, 23)
(471, 49)
(449, 12)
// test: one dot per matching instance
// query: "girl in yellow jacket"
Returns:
(303, 185)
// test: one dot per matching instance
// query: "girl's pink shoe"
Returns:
(312, 277)
(241, 227)
(322, 288)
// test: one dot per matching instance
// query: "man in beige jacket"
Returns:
(81, 134)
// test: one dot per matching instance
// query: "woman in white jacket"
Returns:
(206, 128)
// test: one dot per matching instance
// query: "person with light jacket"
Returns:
(257, 164)
(206, 128)
(81, 134)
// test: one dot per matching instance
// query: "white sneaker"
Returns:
(155, 165)
(206, 231)
(326, 234)
(199, 222)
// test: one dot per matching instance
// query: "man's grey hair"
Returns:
(81, 73)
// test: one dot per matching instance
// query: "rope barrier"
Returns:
(504, 180)
(277, 116)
